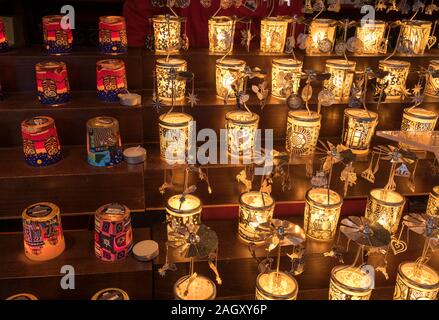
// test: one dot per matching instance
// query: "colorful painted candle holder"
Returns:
(56, 39)
(52, 83)
(111, 79)
(4, 46)
(112, 35)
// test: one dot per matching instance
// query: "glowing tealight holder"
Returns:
(179, 214)
(319, 30)
(274, 34)
(358, 129)
(414, 35)
(241, 133)
(4, 46)
(433, 202)
(349, 283)
(419, 120)
(285, 74)
(201, 288)
(276, 286)
(372, 35)
(111, 79)
(416, 281)
(303, 129)
(169, 87)
(221, 34)
(229, 72)
(167, 34)
(342, 75)
(432, 84)
(52, 83)
(56, 39)
(112, 35)
(397, 77)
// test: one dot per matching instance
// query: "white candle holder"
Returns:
(229, 72)
(342, 75)
(241, 133)
(276, 286)
(349, 283)
(416, 281)
(372, 35)
(433, 202)
(414, 35)
(201, 288)
(168, 86)
(358, 129)
(432, 84)
(167, 33)
(179, 214)
(303, 129)
(285, 74)
(419, 120)
(320, 30)
(274, 34)
(397, 77)
(221, 34)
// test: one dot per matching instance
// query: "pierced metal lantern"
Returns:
(229, 72)
(416, 281)
(276, 286)
(241, 133)
(167, 34)
(303, 129)
(167, 79)
(255, 208)
(385, 207)
(358, 129)
(372, 36)
(52, 83)
(349, 283)
(342, 75)
(274, 34)
(221, 34)
(321, 37)
(414, 36)
(418, 119)
(42, 231)
(112, 35)
(432, 84)
(4, 46)
(397, 77)
(285, 77)
(433, 202)
(201, 288)
(111, 79)
(322, 210)
(56, 39)
(175, 130)
(180, 212)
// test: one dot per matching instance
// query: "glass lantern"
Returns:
(433, 202)
(385, 207)
(321, 36)
(303, 129)
(56, 39)
(201, 288)
(285, 73)
(229, 72)
(276, 286)
(416, 281)
(397, 77)
(274, 34)
(241, 133)
(112, 35)
(342, 75)
(175, 130)
(418, 119)
(349, 283)
(52, 83)
(432, 84)
(179, 213)
(322, 210)
(167, 82)
(166, 34)
(255, 208)
(358, 129)
(372, 35)
(414, 35)
(221, 34)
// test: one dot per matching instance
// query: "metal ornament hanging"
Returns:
(325, 45)
(380, 5)
(282, 233)
(418, 5)
(206, 3)
(326, 98)
(404, 7)
(423, 224)
(364, 233)
(354, 45)
(302, 41)
(431, 8)
(294, 101)
(340, 48)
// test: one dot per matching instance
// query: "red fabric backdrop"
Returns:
(137, 13)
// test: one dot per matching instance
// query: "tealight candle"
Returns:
(112, 35)
(201, 288)
(416, 281)
(432, 84)
(241, 133)
(167, 30)
(433, 202)
(111, 79)
(349, 283)
(276, 286)
(180, 212)
(52, 83)
(221, 34)
(418, 119)
(321, 31)
(396, 79)
(134, 155)
(285, 76)
(169, 87)
(56, 39)
(229, 72)
(130, 99)
(414, 35)
(303, 129)
(342, 75)
(358, 129)
(4, 46)
(372, 35)
(322, 210)
(273, 34)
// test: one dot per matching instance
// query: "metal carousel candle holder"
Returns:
(167, 34)
(372, 34)
(274, 32)
(432, 81)
(414, 37)
(433, 202)
(321, 37)
(397, 73)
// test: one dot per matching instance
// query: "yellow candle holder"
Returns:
(432, 84)
(342, 75)
(179, 214)
(319, 30)
(221, 34)
(372, 35)
(274, 34)
(349, 283)
(241, 133)
(397, 77)
(201, 288)
(229, 72)
(414, 35)
(285, 74)
(416, 281)
(303, 129)
(174, 131)
(321, 214)
(166, 79)
(385, 207)
(276, 286)
(255, 208)
(433, 202)
(358, 129)
(417, 119)
(167, 34)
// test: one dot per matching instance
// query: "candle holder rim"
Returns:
(55, 211)
(188, 118)
(182, 279)
(52, 16)
(419, 23)
(304, 115)
(372, 23)
(422, 114)
(254, 117)
(341, 63)
(278, 296)
(181, 211)
(435, 191)
(112, 64)
(100, 292)
(394, 63)
(287, 62)
(325, 204)
(384, 202)
(162, 18)
(231, 63)
(277, 19)
(171, 62)
(50, 64)
(261, 208)
(101, 214)
(434, 62)
(363, 115)
(102, 122)
(112, 19)
(30, 127)
(221, 19)
(324, 21)
(417, 284)
(345, 286)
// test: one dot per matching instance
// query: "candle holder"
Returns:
(433, 202)
(175, 131)
(201, 288)
(57, 40)
(372, 36)
(111, 294)
(303, 129)
(22, 296)
(221, 34)
(182, 210)
(229, 72)
(104, 146)
(321, 37)
(276, 286)
(349, 283)
(385, 207)
(396, 79)
(4, 46)
(42, 230)
(414, 36)
(342, 75)
(358, 129)
(322, 210)
(113, 232)
(40, 141)
(167, 33)
(241, 133)
(52, 83)
(112, 35)
(111, 79)
(419, 120)
(274, 34)
(169, 87)
(432, 84)
(255, 208)
(416, 281)
(285, 77)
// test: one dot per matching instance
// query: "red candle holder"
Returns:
(56, 39)
(52, 83)
(111, 79)
(112, 35)
(4, 46)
